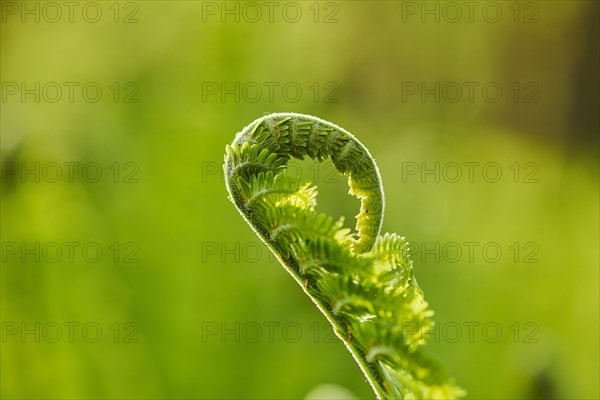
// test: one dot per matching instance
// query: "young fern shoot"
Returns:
(361, 281)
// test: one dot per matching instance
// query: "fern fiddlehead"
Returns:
(361, 281)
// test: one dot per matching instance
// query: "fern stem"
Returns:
(362, 283)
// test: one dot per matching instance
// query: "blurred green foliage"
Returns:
(176, 214)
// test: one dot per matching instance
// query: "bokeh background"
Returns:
(183, 301)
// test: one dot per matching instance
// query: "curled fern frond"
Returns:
(363, 282)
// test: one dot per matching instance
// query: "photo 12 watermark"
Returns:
(470, 92)
(469, 172)
(252, 12)
(312, 170)
(474, 252)
(454, 12)
(269, 92)
(52, 12)
(69, 92)
(70, 252)
(237, 252)
(69, 332)
(126, 172)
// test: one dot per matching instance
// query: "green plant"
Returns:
(362, 282)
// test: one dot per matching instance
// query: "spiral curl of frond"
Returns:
(362, 281)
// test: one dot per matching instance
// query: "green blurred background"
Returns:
(184, 302)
